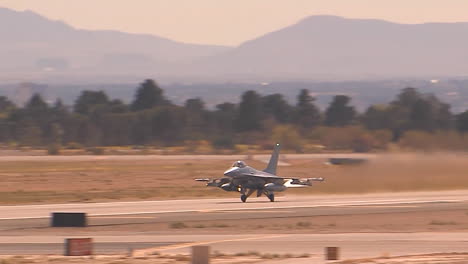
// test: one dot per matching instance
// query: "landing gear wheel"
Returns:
(244, 198)
(271, 197)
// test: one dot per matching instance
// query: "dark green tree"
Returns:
(58, 119)
(6, 105)
(275, 106)
(38, 113)
(306, 114)
(462, 122)
(118, 107)
(29, 134)
(250, 112)
(225, 117)
(166, 123)
(196, 122)
(142, 129)
(407, 97)
(117, 128)
(195, 105)
(443, 117)
(422, 116)
(147, 96)
(339, 113)
(377, 117)
(415, 111)
(88, 100)
(6, 126)
(36, 105)
(59, 112)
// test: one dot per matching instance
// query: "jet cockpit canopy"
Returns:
(239, 164)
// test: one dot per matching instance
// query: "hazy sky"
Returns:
(230, 22)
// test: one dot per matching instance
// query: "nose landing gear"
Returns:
(244, 195)
(243, 198)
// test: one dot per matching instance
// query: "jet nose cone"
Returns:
(230, 172)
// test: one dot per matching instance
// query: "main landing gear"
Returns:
(244, 195)
(271, 196)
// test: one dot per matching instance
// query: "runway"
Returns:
(115, 226)
(231, 204)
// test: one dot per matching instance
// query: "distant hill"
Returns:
(330, 47)
(31, 42)
(34, 48)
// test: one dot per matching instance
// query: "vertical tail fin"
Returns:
(271, 168)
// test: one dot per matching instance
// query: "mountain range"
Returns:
(315, 48)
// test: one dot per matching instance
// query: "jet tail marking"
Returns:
(271, 168)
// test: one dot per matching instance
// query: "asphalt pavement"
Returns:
(353, 245)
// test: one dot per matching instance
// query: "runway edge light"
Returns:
(78, 246)
(332, 253)
(200, 255)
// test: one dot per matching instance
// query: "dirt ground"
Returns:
(439, 258)
(29, 182)
(249, 257)
(157, 259)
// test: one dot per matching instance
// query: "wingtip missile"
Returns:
(203, 179)
(320, 179)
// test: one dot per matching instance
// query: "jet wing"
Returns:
(260, 175)
(290, 180)
(266, 176)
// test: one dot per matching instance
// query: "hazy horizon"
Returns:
(236, 21)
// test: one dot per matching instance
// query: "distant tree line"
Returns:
(152, 119)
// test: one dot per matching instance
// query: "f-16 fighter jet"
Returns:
(247, 180)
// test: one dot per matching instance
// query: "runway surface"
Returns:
(230, 204)
(21, 221)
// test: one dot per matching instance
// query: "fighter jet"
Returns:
(247, 180)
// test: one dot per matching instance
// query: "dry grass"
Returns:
(37, 182)
(106, 180)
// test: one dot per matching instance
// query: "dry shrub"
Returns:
(288, 136)
(442, 140)
(353, 138)
(198, 147)
(177, 225)
(53, 149)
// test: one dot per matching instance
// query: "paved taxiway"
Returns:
(354, 245)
